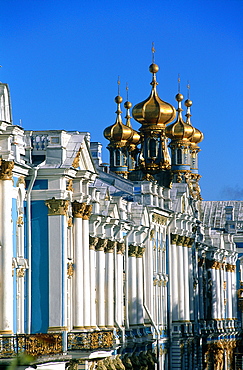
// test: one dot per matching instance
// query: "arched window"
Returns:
(179, 156)
(117, 158)
(152, 148)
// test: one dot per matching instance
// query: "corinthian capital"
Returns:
(87, 212)
(78, 209)
(57, 207)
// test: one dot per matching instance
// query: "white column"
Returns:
(132, 285)
(86, 266)
(100, 282)
(229, 291)
(109, 283)
(214, 293)
(191, 285)
(222, 290)
(181, 290)
(148, 278)
(186, 280)
(92, 255)
(218, 293)
(119, 284)
(140, 313)
(174, 278)
(234, 293)
(78, 209)
(57, 225)
(6, 299)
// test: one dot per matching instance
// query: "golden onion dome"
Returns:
(179, 130)
(135, 137)
(153, 113)
(197, 137)
(118, 133)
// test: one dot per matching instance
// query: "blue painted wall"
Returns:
(40, 268)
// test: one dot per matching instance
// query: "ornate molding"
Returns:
(120, 248)
(20, 221)
(159, 219)
(78, 209)
(87, 212)
(70, 269)
(69, 185)
(6, 168)
(110, 246)
(93, 240)
(57, 207)
(76, 160)
(100, 246)
(21, 180)
(21, 272)
(132, 250)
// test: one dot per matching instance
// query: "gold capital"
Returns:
(111, 244)
(100, 246)
(57, 207)
(87, 212)
(78, 209)
(120, 248)
(93, 240)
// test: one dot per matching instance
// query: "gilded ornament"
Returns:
(21, 180)
(70, 269)
(87, 212)
(140, 251)
(159, 219)
(6, 168)
(76, 160)
(93, 240)
(100, 246)
(152, 232)
(40, 344)
(69, 185)
(57, 207)
(20, 272)
(120, 248)
(132, 250)
(78, 209)
(110, 246)
(20, 221)
(180, 240)
(174, 238)
(70, 222)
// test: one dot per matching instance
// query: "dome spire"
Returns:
(128, 105)
(188, 104)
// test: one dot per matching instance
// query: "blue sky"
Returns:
(62, 59)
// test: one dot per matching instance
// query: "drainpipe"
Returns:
(29, 241)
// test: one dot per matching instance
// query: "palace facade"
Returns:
(121, 266)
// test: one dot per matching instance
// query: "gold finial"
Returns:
(179, 83)
(118, 85)
(153, 51)
(127, 89)
(188, 90)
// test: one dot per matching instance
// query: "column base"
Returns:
(57, 328)
(6, 332)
